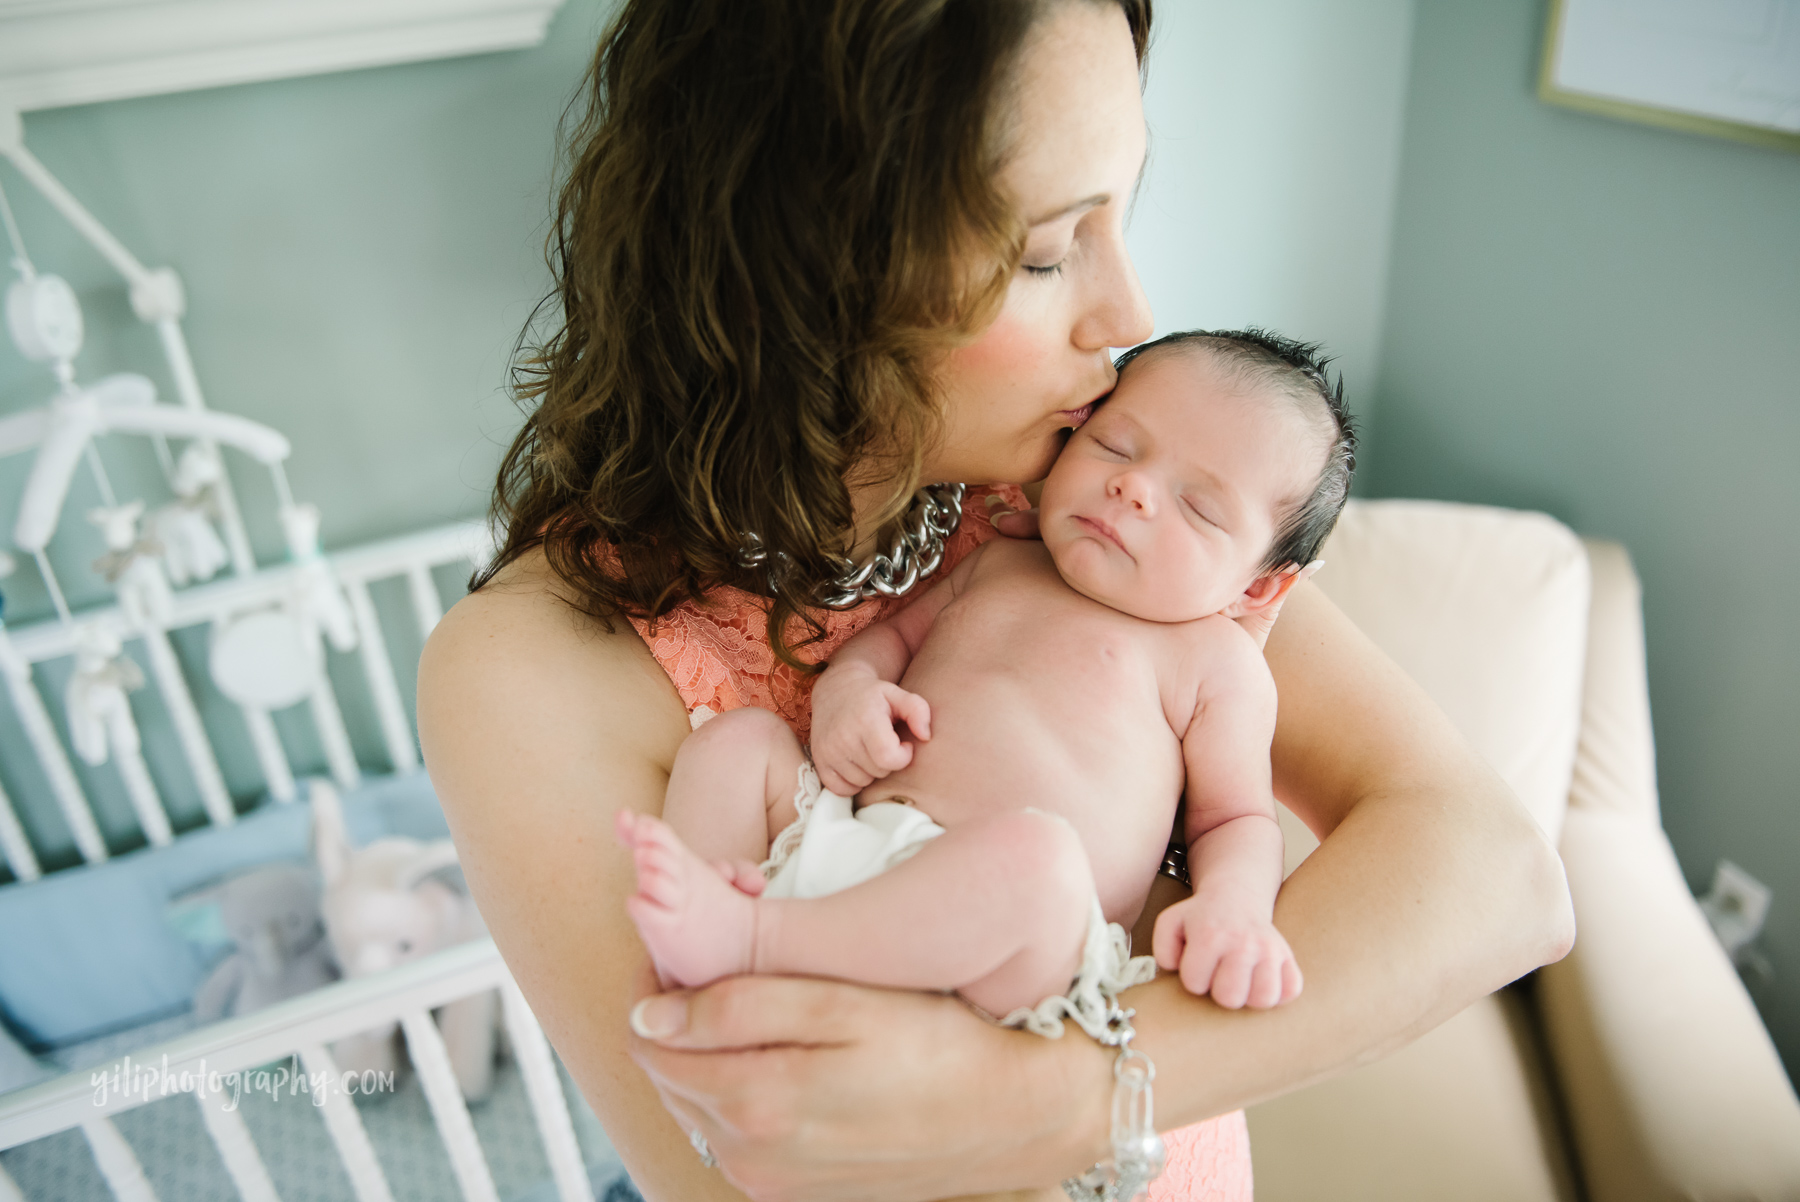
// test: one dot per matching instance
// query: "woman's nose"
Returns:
(1118, 313)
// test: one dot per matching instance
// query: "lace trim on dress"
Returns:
(717, 653)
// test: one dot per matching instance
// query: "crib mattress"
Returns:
(90, 951)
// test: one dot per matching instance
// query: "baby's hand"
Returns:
(854, 741)
(1239, 958)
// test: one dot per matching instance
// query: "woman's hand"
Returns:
(815, 1089)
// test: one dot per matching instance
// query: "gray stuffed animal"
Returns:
(272, 915)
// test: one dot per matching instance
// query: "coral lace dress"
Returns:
(718, 656)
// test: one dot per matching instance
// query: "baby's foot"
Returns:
(698, 925)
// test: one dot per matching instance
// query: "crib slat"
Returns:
(17, 849)
(332, 735)
(55, 762)
(432, 1060)
(273, 761)
(9, 1189)
(428, 607)
(236, 1148)
(542, 1086)
(346, 1128)
(144, 798)
(118, 1163)
(378, 667)
(188, 727)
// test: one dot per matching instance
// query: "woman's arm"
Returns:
(1432, 888)
(537, 728)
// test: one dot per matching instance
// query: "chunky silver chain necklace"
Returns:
(916, 552)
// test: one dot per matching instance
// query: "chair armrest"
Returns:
(1673, 1086)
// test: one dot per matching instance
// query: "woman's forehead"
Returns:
(1077, 130)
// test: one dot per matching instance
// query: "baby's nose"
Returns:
(1134, 490)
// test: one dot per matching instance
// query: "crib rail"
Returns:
(303, 1027)
(22, 649)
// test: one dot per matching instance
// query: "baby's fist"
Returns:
(854, 740)
(1241, 960)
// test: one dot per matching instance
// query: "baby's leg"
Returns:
(731, 790)
(996, 909)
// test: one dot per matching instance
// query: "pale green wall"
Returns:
(1274, 148)
(1602, 320)
(360, 251)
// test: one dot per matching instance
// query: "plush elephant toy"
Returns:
(384, 907)
(271, 915)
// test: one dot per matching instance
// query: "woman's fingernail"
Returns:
(660, 1016)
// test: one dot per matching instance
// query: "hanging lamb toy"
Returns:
(318, 598)
(131, 565)
(191, 548)
(99, 713)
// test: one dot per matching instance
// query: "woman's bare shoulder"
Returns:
(518, 657)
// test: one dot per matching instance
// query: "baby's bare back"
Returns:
(1041, 697)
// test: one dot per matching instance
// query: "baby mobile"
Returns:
(264, 660)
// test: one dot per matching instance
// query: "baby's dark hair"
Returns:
(1297, 370)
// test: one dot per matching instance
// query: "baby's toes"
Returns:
(659, 874)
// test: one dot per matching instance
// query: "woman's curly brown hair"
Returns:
(763, 243)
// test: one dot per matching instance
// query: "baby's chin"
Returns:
(1147, 604)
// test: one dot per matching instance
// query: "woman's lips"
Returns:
(1072, 418)
(1103, 530)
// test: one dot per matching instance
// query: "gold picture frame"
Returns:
(1551, 92)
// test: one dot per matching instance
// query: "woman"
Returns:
(812, 254)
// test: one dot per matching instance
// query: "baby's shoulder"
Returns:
(1221, 658)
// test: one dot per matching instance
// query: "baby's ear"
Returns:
(1265, 592)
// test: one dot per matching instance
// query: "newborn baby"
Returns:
(1018, 739)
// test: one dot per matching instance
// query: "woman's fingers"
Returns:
(1016, 523)
(741, 1013)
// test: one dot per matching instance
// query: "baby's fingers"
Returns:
(911, 709)
(844, 778)
(1265, 985)
(1168, 938)
(1232, 980)
(1291, 981)
(883, 752)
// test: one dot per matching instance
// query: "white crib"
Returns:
(201, 1064)
(300, 1030)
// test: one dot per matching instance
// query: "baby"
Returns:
(1019, 738)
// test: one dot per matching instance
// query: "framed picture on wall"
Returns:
(1729, 68)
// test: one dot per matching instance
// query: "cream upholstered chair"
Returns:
(1636, 1069)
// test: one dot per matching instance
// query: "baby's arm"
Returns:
(858, 699)
(1223, 937)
